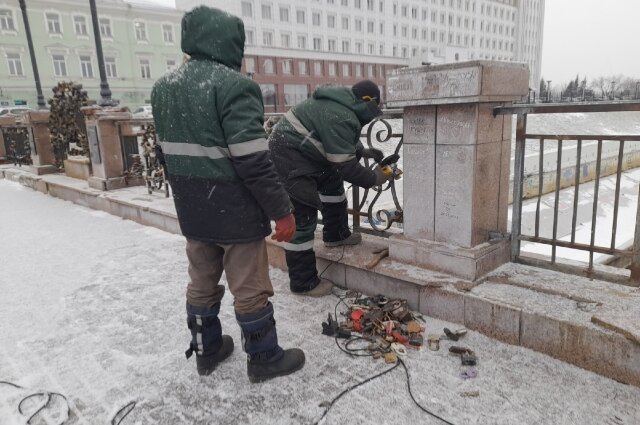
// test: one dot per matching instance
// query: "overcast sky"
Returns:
(589, 37)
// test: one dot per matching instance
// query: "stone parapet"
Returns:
(456, 162)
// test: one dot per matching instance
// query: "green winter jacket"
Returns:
(318, 137)
(209, 121)
(332, 121)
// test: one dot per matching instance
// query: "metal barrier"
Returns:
(381, 134)
(17, 141)
(554, 241)
(140, 154)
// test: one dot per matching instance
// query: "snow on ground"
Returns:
(92, 308)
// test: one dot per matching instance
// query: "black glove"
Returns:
(373, 153)
(382, 175)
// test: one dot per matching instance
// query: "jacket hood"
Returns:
(365, 111)
(209, 33)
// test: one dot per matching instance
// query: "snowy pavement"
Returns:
(92, 313)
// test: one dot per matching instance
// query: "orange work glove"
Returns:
(285, 229)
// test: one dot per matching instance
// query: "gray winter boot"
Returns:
(265, 358)
(207, 341)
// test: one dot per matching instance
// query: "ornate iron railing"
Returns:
(377, 210)
(17, 142)
(608, 244)
(142, 154)
(384, 133)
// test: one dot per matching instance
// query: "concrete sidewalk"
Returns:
(93, 309)
(589, 323)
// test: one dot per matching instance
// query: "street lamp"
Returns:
(105, 91)
(36, 74)
(548, 91)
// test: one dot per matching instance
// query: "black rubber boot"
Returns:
(265, 358)
(207, 341)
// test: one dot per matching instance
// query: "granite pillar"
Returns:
(41, 149)
(105, 147)
(456, 164)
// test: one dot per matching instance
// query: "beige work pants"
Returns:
(246, 266)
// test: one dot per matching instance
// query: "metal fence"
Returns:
(556, 141)
(18, 140)
(377, 210)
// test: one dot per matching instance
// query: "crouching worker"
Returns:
(209, 123)
(315, 147)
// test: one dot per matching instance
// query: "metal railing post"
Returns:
(635, 260)
(518, 181)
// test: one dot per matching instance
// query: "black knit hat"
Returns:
(365, 88)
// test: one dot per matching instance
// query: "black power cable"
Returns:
(115, 421)
(357, 352)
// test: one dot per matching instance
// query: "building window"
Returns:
(331, 21)
(300, 16)
(295, 93)
(15, 64)
(370, 71)
(248, 36)
(345, 70)
(317, 43)
(53, 23)
(167, 33)
(345, 22)
(266, 11)
(145, 69)
(317, 69)
(286, 66)
(268, 94)
(370, 26)
(285, 40)
(331, 46)
(345, 2)
(302, 42)
(80, 25)
(267, 38)
(358, 24)
(284, 14)
(315, 18)
(358, 46)
(345, 46)
(250, 65)
(268, 66)
(112, 71)
(372, 48)
(247, 9)
(105, 27)
(86, 66)
(6, 20)
(332, 69)
(302, 68)
(171, 64)
(141, 31)
(59, 66)
(359, 70)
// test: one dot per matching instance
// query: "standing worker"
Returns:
(209, 121)
(315, 147)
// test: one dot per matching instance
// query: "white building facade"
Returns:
(400, 32)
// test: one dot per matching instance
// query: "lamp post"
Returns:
(105, 91)
(34, 65)
(548, 91)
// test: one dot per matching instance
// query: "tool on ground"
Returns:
(453, 335)
(379, 255)
(470, 393)
(331, 328)
(467, 356)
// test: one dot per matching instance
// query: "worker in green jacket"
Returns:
(315, 147)
(209, 121)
